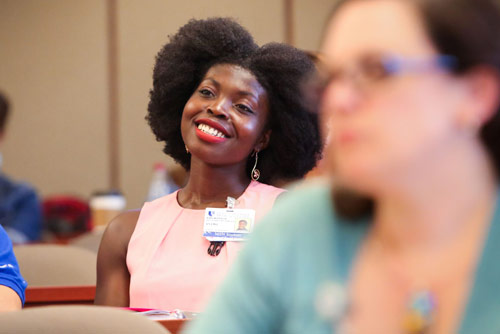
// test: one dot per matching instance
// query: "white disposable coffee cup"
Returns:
(106, 207)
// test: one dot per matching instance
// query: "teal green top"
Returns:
(301, 246)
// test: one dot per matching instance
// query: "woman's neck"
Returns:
(451, 199)
(209, 185)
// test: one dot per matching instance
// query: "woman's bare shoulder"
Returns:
(121, 228)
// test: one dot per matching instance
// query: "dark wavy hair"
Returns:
(295, 144)
(469, 30)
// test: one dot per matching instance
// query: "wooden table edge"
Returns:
(45, 294)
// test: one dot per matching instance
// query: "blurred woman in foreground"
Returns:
(413, 95)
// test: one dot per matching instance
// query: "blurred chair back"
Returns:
(56, 265)
(90, 240)
(77, 320)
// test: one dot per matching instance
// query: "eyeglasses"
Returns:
(370, 70)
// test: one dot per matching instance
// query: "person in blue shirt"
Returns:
(12, 284)
(20, 209)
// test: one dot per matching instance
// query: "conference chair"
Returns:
(90, 240)
(56, 265)
(77, 320)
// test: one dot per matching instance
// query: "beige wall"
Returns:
(53, 65)
(309, 18)
(53, 68)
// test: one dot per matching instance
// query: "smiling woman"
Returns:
(231, 113)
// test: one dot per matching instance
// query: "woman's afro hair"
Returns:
(295, 144)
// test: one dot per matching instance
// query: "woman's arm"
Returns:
(12, 284)
(10, 299)
(113, 278)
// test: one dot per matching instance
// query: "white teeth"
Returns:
(211, 131)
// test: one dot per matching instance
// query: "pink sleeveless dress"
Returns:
(167, 254)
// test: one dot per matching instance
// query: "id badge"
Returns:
(222, 224)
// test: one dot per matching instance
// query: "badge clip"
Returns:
(231, 202)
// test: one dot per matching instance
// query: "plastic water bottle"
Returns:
(160, 185)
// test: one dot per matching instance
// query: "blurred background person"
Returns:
(232, 114)
(407, 239)
(20, 209)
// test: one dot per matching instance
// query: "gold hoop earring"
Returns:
(255, 173)
(187, 150)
